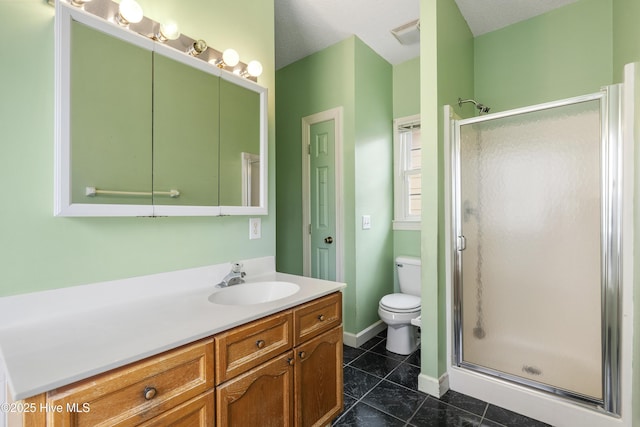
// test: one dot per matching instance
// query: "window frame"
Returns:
(401, 219)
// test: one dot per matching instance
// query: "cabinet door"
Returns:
(319, 379)
(185, 133)
(110, 110)
(261, 397)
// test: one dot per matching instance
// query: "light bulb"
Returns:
(168, 31)
(254, 68)
(197, 48)
(129, 12)
(230, 58)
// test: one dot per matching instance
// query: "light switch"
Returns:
(255, 228)
(366, 222)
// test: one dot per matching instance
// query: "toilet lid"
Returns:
(400, 302)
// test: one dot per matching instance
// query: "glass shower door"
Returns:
(531, 196)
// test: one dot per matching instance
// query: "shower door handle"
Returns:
(461, 243)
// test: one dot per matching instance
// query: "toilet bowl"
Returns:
(398, 309)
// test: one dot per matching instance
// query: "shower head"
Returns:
(483, 108)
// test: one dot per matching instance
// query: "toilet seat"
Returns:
(400, 303)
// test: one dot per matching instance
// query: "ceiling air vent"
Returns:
(408, 33)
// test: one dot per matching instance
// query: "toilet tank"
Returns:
(409, 275)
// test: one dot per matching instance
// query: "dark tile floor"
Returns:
(381, 389)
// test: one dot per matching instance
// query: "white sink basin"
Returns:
(253, 293)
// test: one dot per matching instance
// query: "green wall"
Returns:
(566, 52)
(373, 182)
(316, 83)
(626, 35)
(406, 88)
(39, 251)
(351, 75)
(455, 73)
(446, 63)
(319, 82)
(406, 102)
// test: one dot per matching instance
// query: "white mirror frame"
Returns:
(65, 13)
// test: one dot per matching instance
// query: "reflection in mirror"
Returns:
(250, 179)
(240, 126)
(185, 133)
(110, 114)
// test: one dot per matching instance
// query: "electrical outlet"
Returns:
(366, 222)
(255, 228)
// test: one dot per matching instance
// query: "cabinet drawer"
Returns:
(245, 347)
(197, 412)
(135, 393)
(316, 317)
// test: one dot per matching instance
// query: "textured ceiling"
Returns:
(307, 26)
(304, 27)
(484, 16)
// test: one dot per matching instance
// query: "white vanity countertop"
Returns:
(54, 338)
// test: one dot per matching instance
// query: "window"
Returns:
(407, 174)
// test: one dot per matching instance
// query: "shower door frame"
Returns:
(610, 240)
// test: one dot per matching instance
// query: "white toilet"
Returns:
(397, 310)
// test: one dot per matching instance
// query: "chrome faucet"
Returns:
(236, 276)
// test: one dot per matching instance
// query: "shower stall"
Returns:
(535, 256)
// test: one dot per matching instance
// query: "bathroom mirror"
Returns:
(110, 140)
(240, 144)
(143, 129)
(185, 134)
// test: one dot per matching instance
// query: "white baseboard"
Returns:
(356, 340)
(436, 387)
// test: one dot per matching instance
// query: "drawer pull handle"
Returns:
(321, 318)
(291, 361)
(260, 343)
(302, 355)
(149, 393)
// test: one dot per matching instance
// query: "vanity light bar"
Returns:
(110, 11)
(93, 191)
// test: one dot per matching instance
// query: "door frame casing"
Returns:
(335, 114)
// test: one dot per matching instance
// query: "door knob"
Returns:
(328, 240)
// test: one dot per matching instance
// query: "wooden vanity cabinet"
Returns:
(283, 370)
